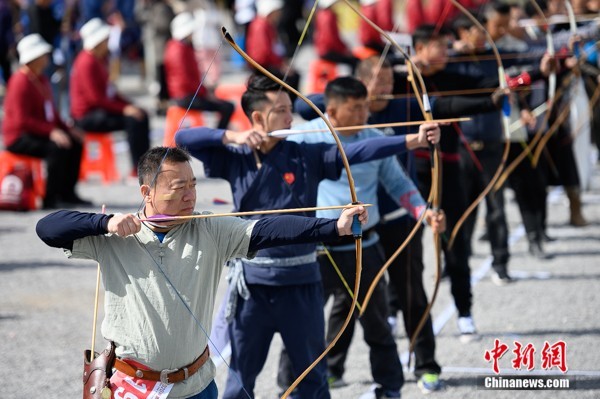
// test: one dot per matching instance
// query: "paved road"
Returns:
(46, 304)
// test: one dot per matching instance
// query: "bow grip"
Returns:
(506, 106)
(356, 225)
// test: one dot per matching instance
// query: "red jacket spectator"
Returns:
(381, 13)
(28, 107)
(434, 12)
(327, 34)
(90, 87)
(262, 44)
(181, 69)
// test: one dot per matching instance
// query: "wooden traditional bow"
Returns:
(573, 29)
(545, 107)
(435, 191)
(354, 199)
(505, 125)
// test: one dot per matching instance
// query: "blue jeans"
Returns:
(210, 392)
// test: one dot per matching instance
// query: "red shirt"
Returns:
(89, 87)
(366, 34)
(382, 14)
(262, 44)
(419, 12)
(327, 34)
(181, 69)
(27, 102)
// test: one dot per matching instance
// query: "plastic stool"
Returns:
(233, 92)
(320, 72)
(98, 157)
(363, 52)
(174, 116)
(9, 160)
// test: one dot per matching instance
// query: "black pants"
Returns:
(224, 108)
(406, 289)
(383, 353)
(529, 185)
(287, 27)
(163, 93)
(5, 66)
(475, 181)
(453, 203)
(62, 165)
(138, 131)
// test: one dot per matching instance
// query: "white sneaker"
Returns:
(376, 392)
(466, 327)
(501, 278)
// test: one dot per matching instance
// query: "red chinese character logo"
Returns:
(523, 356)
(555, 356)
(495, 354)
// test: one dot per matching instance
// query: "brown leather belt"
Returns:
(166, 376)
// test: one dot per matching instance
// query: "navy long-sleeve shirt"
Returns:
(60, 229)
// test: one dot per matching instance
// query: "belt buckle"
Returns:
(164, 375)
(477, 145)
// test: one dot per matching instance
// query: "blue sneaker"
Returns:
(429, 382)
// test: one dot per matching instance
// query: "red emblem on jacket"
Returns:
(289, 178)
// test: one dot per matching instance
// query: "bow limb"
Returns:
(505, 125)
(353, 196)
(435, 197)
(576, 72)
(426, 110)
(545, 107)
(435, 191)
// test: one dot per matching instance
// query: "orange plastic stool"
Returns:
(173, 120)
(320, 72)
(363, 52)
(9, 160)
(233, 93)
(98, 157)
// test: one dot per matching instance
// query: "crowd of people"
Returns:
(283, 270)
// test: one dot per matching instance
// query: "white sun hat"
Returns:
(94, 32)
(326, 3)
(265, 7)
(32, 47)
(182, 26)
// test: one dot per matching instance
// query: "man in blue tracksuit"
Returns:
(282, 287)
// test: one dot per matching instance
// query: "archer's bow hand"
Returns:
(124, 225)
(498, 96)
(548, 64)
(437, 220)
(429, 133)
(344, 223)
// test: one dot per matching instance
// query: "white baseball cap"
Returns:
(32, 47)
(266, 7)
(182, 26)
(94, 32)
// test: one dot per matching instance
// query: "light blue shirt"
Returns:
(367, 176)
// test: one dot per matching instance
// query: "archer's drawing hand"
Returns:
(124, 225)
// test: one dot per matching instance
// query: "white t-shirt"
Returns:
(143, 315)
